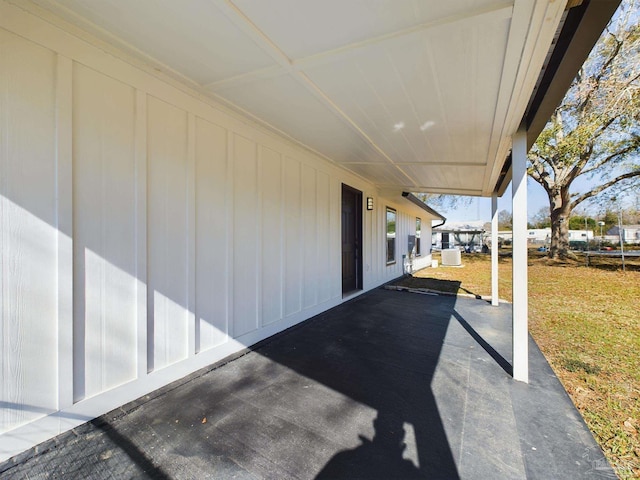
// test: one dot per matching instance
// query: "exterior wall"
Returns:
(406, 226)
(580, 235)
(630, 233)
(538, 235)
(458, 239)
(542, 235)
(146, 233)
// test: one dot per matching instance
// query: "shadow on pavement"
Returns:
(381, 355)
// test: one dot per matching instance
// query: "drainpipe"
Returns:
(440, 224)
(412, 198)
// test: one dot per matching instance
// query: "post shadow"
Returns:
(493, 353)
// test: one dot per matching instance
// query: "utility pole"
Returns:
(620, 235)
(601, 223)
(614, 199)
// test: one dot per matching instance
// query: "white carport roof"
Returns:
(412, 95)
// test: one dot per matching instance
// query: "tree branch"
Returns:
(538, 172)
(601, 73)
(629, 148)
(581, 198)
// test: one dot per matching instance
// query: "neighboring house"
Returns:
(181, 180)
(539, 235)
(505, 236)
(580, 235)
(630, 233)
(543, 235)
(465, 235)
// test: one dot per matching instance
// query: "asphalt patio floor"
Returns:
(388, 385)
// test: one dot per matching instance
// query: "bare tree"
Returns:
(505, 220)
(541, 218)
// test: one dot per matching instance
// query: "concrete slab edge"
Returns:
(430, 291)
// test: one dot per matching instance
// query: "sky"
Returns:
(480, 207)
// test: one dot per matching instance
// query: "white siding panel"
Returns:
(292, 240)
(167, 233)
(309, 235)
(212, 286)
(245, 226)
(104, 232)
(28, 237)
(271, 236)
(323, 212)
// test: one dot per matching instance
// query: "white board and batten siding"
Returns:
(146, 233)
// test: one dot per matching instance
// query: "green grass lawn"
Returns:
(587, 323)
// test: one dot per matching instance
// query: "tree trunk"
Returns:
(560, 211)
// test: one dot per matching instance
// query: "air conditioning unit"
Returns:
(451, 257)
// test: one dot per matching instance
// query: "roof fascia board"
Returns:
(415, 200)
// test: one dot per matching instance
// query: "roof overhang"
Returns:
(410, 96)
(579, 31)
(416, 201)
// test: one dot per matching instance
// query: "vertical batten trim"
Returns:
(191, 236)
(141, 230)
(230, 233)
(226, 214)
(283, 271)
(150, 304)
(314, 268)
(318, 242)
(64, 213)
(259, 237)
(300, 235)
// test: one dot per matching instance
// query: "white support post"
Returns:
(520, 298)
(494, 250)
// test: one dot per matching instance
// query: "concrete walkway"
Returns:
(389, 385)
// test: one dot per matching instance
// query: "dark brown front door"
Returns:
(351, 239)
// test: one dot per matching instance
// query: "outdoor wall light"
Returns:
(369, 203)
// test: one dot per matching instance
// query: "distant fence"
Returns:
(613, 260)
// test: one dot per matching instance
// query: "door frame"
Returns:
(358, 220)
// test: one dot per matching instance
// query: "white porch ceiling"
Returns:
(415, 95)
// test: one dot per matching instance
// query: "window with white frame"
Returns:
(391, 236)
(418, 230)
